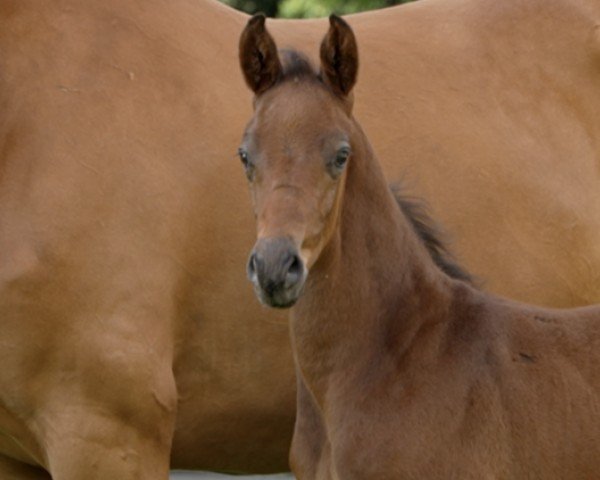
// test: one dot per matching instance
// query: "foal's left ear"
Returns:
(258, 56)
(339, 57)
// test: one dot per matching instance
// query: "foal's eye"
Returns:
(243, 156)
(246, 162)
(342, 157)
(340, 160)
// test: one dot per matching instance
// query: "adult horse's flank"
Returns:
(403, 371)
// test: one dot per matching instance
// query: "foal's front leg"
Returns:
(310, 454)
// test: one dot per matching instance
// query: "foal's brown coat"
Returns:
(124, 222)
(404, 372)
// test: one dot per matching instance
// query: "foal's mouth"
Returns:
(277, 299)
(277, 272)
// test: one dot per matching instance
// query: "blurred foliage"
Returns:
(309, 8)
(268, 7)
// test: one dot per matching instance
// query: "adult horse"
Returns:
(127, 323)
(404, 369)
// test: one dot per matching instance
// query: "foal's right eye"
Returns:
(243, 157)
(248, 167)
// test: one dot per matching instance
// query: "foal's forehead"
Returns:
(298, 104)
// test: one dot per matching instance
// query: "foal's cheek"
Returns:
(254, 203)
(327, 203)
(330, 207)
(318, 217)
(321, 226)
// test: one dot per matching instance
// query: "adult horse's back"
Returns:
(124, 216)
(497, 99)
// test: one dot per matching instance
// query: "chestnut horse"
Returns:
(403, 370)
(128, 329)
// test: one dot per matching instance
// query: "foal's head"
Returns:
(295, 150)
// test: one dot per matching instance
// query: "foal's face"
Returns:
(295, 151)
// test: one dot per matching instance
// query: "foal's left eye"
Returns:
(342, 157)
(340, 160)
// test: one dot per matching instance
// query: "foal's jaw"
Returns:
(277, 272)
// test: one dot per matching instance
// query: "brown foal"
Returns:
(404, 370)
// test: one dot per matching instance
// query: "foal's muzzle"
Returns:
(277, 272)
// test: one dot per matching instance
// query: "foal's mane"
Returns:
(296, 66)
(432, 236)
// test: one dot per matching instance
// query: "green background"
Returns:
(309, 8)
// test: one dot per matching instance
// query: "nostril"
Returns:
(295, 271)
(296, 265)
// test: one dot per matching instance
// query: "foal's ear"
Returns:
(258, 56)
(339, 56)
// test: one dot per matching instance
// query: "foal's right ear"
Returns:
(258, 56)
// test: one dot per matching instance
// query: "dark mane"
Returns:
(296, 65)
(415, 210)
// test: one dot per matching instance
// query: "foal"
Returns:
(403, 371)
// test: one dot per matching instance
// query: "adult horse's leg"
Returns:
(84, 437)
(94, 447)
(96, 444)
(88, 396)
(127, 436)
(116, 418)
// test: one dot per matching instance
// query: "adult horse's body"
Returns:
(123, 307)
(404, 371)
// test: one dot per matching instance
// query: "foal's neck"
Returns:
(375, 287)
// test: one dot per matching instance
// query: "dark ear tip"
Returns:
(336, 20)
(257, 20)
